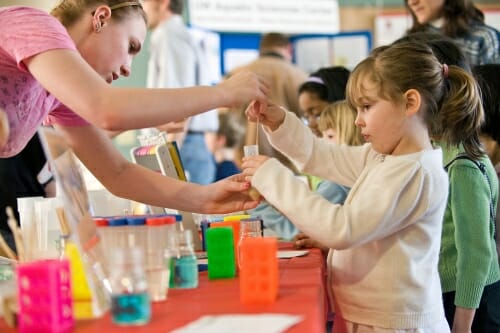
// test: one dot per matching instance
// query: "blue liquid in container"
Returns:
(131, 309)
(186, 272)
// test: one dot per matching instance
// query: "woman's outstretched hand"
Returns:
(227, 196)
(270, 115)
(244, 87)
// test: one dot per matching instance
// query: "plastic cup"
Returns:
(158, 273)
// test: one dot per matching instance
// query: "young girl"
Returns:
(460, 20)
(59, 69)
(336, 124)
(325, 86)
(386, 236)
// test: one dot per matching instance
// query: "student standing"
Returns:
(383, 269)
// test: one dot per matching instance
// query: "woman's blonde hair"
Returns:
(340, 117)
(451, 99)
(69, 11)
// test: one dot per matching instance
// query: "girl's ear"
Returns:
(413, 101)
(101, 16)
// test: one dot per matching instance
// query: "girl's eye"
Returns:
(134, 48)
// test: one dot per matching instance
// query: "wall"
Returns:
(42, 4)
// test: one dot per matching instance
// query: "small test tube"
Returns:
(252, 150)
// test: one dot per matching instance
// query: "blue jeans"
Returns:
(198, 161)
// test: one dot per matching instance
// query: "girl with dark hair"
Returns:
(325, 86)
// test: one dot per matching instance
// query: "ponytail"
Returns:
(460, 115)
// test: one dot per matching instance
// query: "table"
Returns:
(301, 292)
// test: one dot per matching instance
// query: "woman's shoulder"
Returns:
(30, 31)
(21, 18)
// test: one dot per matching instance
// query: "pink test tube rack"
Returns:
(44, 292)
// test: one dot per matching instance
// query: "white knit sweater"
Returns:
(384, 239)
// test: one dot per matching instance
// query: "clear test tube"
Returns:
(252, 150)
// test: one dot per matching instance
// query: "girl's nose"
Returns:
(125, 70)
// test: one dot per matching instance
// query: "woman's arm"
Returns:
(135, 182)
(67, 76)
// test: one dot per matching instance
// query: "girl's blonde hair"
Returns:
(340, 116)
(69, 11)
(451, 99)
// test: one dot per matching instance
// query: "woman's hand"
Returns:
(244, 87)
(4, 128)
(271, 116)
(227, 196)
(251, 164)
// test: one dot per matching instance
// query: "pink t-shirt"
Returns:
(25, 32)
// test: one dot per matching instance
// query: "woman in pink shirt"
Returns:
(58, 68)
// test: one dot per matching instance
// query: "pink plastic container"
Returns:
(44, 291)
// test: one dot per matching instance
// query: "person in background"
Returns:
(175, 62)
(488, 77)
(63, 74)
(230, 138)
(389, 227)
(460, 20)
(275, 65)
(23, 175)
(325, 86)
(337, 124)
(470, 296)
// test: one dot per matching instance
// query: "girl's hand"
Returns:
(271, 116)
(302, 241)
(251, 164)
(244, 87)
(227, 196)
(4, 128)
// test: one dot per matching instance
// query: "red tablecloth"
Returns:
(301, 292)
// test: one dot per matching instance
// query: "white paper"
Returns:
(241, 323)
(282, 254)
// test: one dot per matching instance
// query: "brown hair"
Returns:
(272, 40)
(340, 116)
(451, 100)
(457, 16)
(176, 6)
(69, 11)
